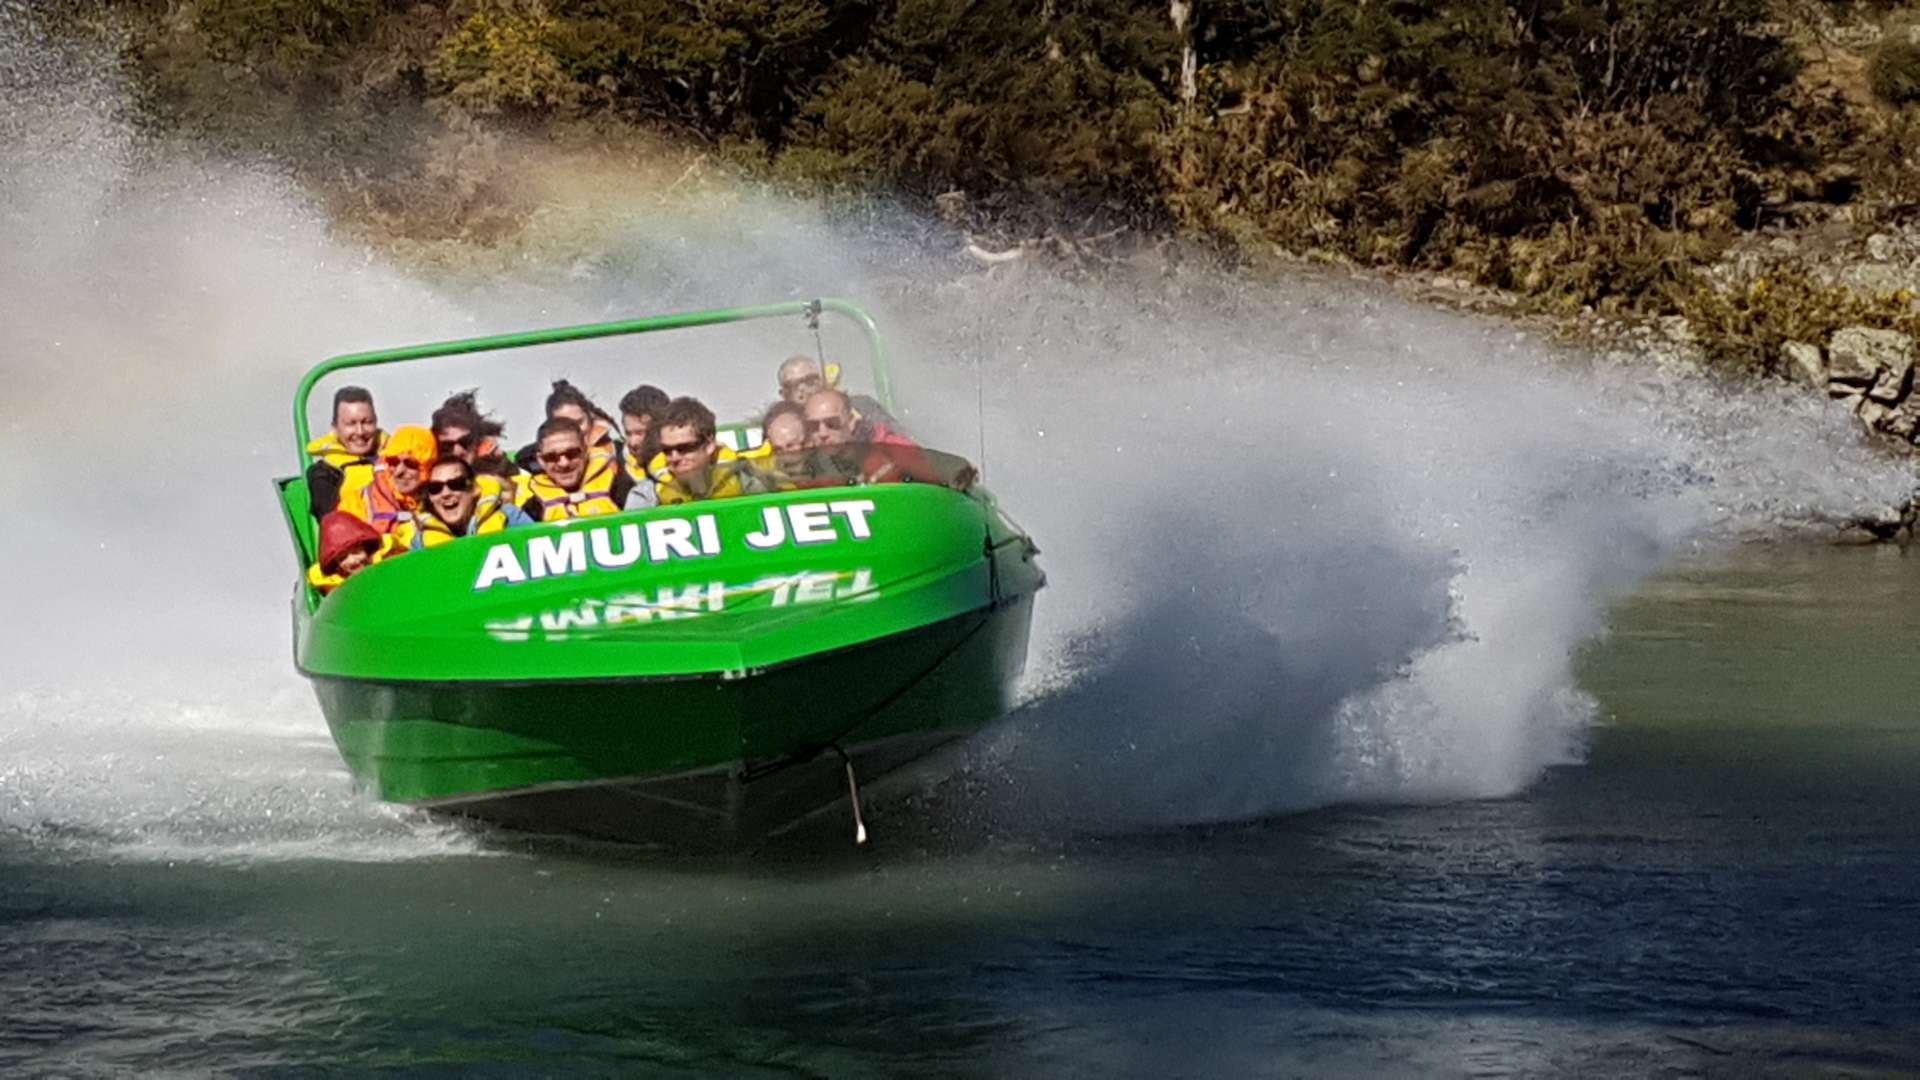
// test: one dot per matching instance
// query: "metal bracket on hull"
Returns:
(853, 795)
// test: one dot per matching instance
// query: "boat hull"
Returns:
(711, 758)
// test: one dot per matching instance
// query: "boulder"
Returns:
(1903, 422)
(1857, 355)
(1803, 363)
(1891, 384)
(1872, 413)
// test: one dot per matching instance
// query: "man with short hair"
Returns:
(352, 447)
(801, 377)
(573, 483)
(456, 506)
(787, 463)
(691, 464)
(640, 413)
(863, 451)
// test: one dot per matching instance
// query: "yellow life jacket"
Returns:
(357, 470)
(728, 479)
(594, 498)
(326, 582)
(330, 449)
(427, 531)
(636, 469)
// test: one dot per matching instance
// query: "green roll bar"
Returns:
(811, 309)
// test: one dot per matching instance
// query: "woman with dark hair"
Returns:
(466, 433)
(567, 402)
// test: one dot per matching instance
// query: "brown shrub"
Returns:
(1744, 328)
(1895, 69)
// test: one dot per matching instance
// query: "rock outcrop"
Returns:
(1870, 370)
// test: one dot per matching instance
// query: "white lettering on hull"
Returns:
(665, 540)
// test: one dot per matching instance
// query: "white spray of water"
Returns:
(1306, 544)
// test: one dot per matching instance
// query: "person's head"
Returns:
(354, 422)
(567, 402)
(686, 437)
(801, 377)
(785, 428)
(347, 544)
(640, 416)
(829, 419)
(450, 492)
(562, 451)
(410, 452)
(459, 427)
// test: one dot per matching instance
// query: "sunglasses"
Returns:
(458, 483)
(681, 449)
(396, 462)
(804, 380)
(555, 457)
(828, 423)
(448, 446)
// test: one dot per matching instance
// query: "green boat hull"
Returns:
(686, 761)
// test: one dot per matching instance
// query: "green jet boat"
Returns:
(710, 672)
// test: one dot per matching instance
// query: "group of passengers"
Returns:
(378, 494)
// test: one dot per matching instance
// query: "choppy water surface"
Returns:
(1729, 884)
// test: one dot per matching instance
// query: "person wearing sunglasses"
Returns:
(456, 506)
(691, 464)
(862, 451)
(573, 482)
(462, 431)
(390, 495)
(800, 378)
(346, 457)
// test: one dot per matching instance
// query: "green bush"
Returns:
(499, 59)
(1743, 329)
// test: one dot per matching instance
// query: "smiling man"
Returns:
(691, 464)
(390, 495)
(573, 483)
(346, 457)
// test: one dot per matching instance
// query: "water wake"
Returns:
(1307, 544)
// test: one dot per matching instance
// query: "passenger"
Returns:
(640, 421)
(353, 446)
(691, 464)
(863, 450)
(788, 463)
(462, 432)
(348, 545)
(801, 377)
(573, 483)
(599, 429)
(391, 495)
(456, 506)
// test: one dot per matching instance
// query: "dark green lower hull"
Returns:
(691, 759)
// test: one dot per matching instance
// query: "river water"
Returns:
(1728, 884)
